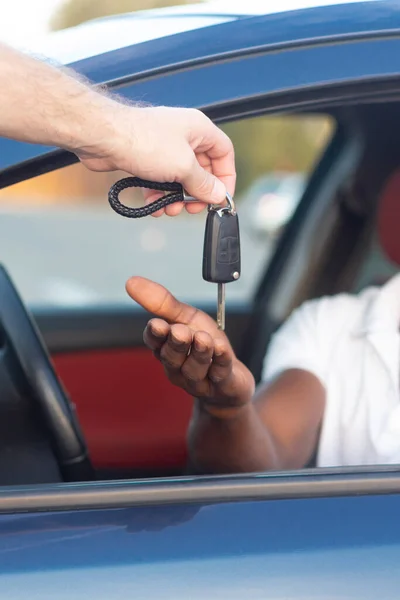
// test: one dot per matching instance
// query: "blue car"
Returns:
(95, 498)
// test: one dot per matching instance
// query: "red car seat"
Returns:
(389, 218)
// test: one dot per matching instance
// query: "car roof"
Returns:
(106, 34)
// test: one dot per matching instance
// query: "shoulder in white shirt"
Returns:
(352, 344)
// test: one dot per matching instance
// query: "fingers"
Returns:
(192, 360)
(203, 366)
(221, 170)
(194, 207)
(233, 380)
(151, 196)
(174, 352)
(171, 345)
(196, 366)
(179, 349)
(157, 300)
(170, 144)
(213, 171)
(173, 209)
(221, 367)
(156, 334)
(203, 185)
(221, 160)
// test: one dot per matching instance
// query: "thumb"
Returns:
(203, 185)
(157, 300)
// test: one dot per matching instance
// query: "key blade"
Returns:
(221, 307)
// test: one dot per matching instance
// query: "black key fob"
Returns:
(221, 252)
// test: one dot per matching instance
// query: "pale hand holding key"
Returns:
(196, 355)
(55, 107)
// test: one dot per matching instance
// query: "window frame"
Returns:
(287, 485)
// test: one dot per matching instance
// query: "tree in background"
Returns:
(276, 143)
(74, 12)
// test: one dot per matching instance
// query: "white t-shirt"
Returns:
(352, 344)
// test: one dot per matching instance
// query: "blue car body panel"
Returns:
(306, 548)
(348, 546)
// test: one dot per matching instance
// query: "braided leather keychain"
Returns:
(177, 194)
(221, 251)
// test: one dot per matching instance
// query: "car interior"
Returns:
(90, 402)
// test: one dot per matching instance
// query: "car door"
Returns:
(317, 535)
(326, 533)
(71, 260)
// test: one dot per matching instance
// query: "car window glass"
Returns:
(63, 245)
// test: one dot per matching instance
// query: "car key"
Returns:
(221, 254)
(221, 251)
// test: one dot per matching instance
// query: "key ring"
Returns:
(177, 194)
(231, 208)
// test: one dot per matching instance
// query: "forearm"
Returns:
(231, 445)
(45, 105)
(277, 429)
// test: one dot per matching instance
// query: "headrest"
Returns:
(389, 218)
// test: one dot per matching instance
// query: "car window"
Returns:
(64, 246)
